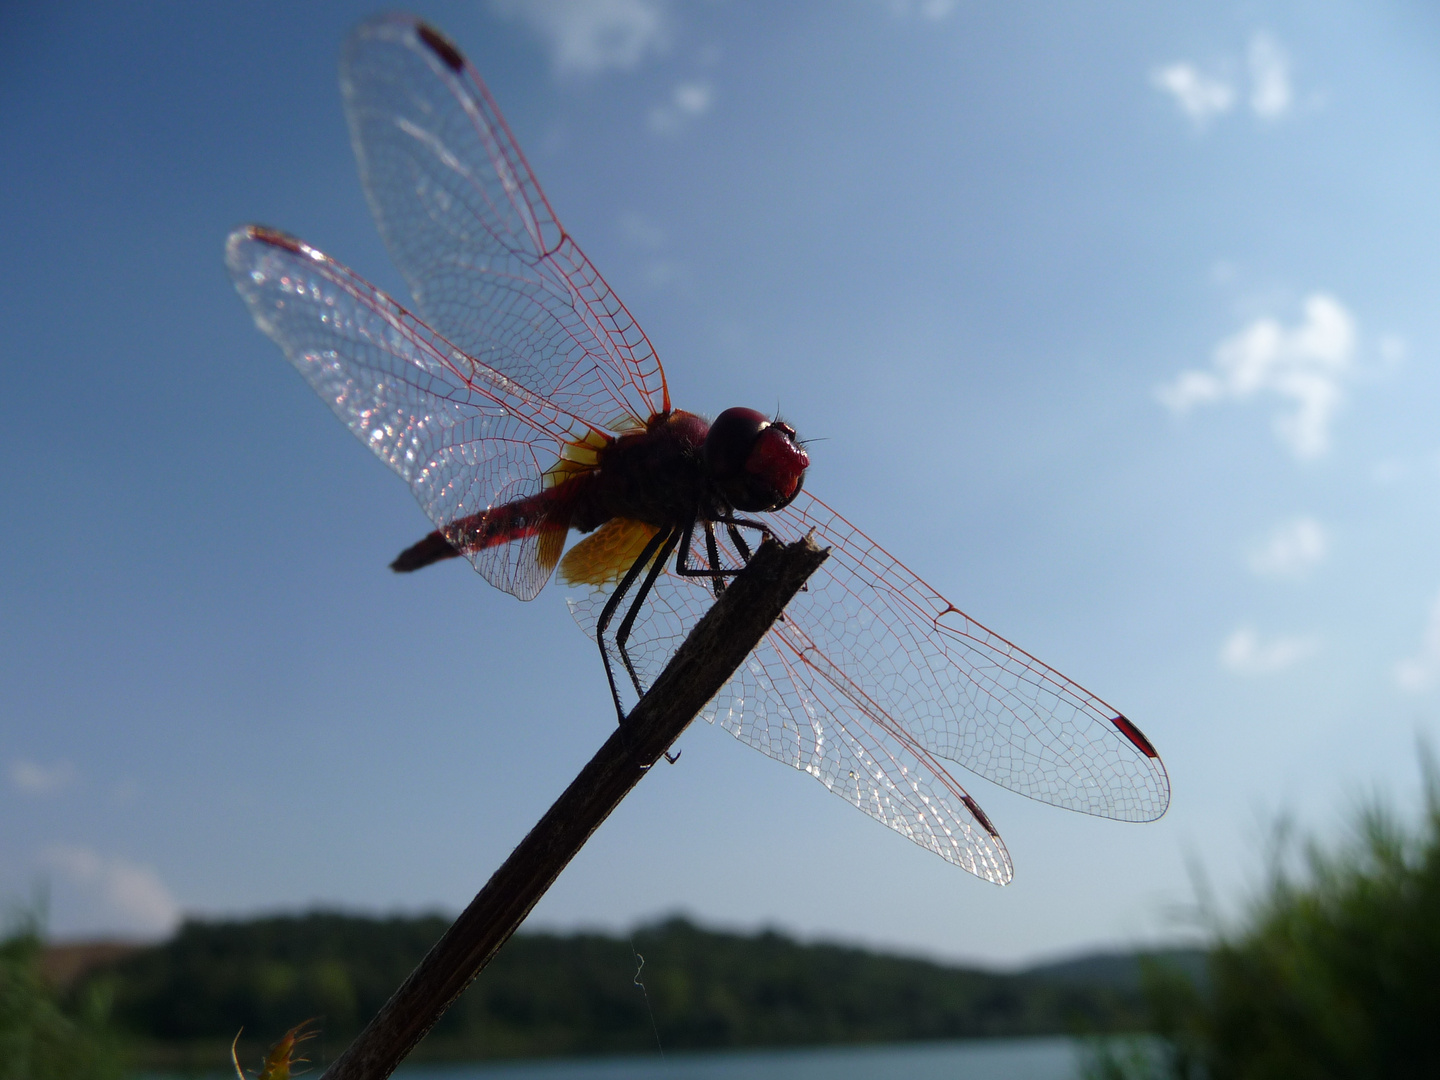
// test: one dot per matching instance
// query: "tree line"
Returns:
(549, 994)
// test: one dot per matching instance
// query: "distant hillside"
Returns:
(1120, 971)
(553, 995)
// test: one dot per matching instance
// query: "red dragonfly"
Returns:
(524, 401)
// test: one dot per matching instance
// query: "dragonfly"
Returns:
(520, 401)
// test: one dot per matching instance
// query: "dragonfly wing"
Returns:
(464, 438)
(961, 691)
(879, 653)
(468, 226)
(783, 703)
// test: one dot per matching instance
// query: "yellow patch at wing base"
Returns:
(604, 557)
(547, 552)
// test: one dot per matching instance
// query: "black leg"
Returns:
(714, 553)
(608, 611)
(732, 524)
(739, 541)
(623, 634)
(745, 523)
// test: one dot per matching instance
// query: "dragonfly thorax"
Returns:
(680, 469)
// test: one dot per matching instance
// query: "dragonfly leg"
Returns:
(613, 603)
(623, 634)
(719, 573)
(733, 526)
(745, 523)
(713, 551)
(739, 542)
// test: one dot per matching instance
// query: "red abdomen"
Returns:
(656, 476)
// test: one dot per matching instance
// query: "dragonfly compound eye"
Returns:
(757, 464)
(777, 459)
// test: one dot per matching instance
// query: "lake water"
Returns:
(999, 1059)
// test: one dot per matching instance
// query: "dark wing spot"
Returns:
(441, 46)
(974, 808)
(265, 235)
(1135, 735)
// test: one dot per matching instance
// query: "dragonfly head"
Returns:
(756, 462)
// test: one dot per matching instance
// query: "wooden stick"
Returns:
(703, 664)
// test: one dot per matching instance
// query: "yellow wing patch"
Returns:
(604, 557)
(577, 457)
(547, 552)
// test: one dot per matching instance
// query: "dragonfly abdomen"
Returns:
(548, 511)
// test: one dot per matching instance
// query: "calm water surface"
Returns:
(1018, 1059)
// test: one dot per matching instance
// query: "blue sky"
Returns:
(1118, 323)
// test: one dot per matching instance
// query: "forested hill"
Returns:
(551, 995)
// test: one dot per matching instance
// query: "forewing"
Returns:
(463, 437)
(960, 690)
(465, 221)
(874, 656)
(781, 703)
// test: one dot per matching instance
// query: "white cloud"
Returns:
(132, 895)
(1245, 654)
(586, 37)
(1200, 97)
(1421, 671)
(32, 778)
(1270, 93)
(1305, 366)
(687, 101)
(1292, 550)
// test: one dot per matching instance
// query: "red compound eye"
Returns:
(757, 464)
(778, 460)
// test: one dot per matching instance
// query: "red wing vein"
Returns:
(461, 211)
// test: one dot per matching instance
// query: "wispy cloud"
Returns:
(687, 101)
(1389, 471)
(1246, 654)
(1420, 672)
(641, 232)
(1305, 366)
(1203, 95)
(586, 37)
(1270, 94)
(132, 896)
(32, 778)
(1392, 348)
(644, 235)
(1292, 550)
(933, 10)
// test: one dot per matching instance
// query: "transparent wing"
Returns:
(463, 437)
(873, 678)
(465, 221)
(962, 691)
(780, 703)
